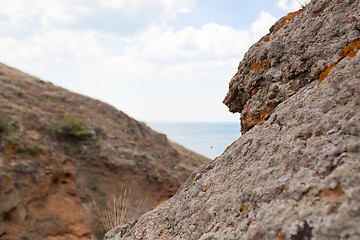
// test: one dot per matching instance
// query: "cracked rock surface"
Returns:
(295, 173)
(302, 47)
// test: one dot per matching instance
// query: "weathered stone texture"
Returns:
(296, 175)
(300, 48)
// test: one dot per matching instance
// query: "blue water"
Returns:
(207, 138)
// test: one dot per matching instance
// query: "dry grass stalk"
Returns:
(116, 212)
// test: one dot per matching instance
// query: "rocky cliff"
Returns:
(60, 151)
(295, 171)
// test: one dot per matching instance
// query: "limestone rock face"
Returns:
(302, 47)
(61, 151)
(295, 172)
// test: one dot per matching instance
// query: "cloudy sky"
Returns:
(156, 60)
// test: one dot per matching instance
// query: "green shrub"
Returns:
(70, 128)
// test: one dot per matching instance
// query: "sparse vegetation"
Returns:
(70, 128)
(303, 3)
(115, 212)
(85, 198)
(93, 187)
(32, 148)
(5, 126)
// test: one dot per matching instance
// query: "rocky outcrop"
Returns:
(301, 48)
(60, 151)
(295, 172)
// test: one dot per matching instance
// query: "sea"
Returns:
(209, 139)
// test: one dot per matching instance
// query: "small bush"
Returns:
(70, 128)
(33, 149)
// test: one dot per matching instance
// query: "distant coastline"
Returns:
(206, 138)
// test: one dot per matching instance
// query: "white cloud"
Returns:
(178, 6)
(291, 5)
(146, 75)
(22, 13)
(262, 25)
(38, 51)
(169, 9)
(211, 41)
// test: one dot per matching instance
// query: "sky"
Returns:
(156, 60)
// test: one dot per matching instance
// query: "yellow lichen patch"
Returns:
(244, 208)
(157, 205)
(258, 66)
(207, 186)
(349, 50)
(287, 19)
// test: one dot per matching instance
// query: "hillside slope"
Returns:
(60, 151)
(295, 171)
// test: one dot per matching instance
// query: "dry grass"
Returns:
(116, 211)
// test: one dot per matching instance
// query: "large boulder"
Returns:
(295, 172)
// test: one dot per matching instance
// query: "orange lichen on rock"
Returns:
(349, 50)
(260, 122)
(244, 208)
(266, 38)
(253, 65)
(325, 72)
(157, 205)
(206, 187)
(263, 115)
(287, 19)
(258, 66)
(10, 149)
(8, 180)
